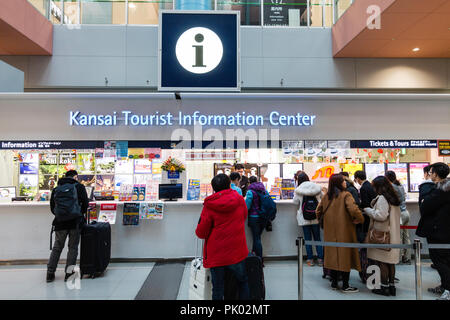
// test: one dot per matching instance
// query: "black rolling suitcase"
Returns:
(255, 275)
(95, 248)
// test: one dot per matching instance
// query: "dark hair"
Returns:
(441, 169)
(427, 169)
(238, 166)
(71, 174)
(220, 182)
(335, 185)
(345, 174)
(302, 177)
(383, 186)
(360, 175)
(243, 184)
(235, 176)
(392, 177)
(253, 179)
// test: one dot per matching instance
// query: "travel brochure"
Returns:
(193, 191)
(130, 214)
(151, 210)
(108, 212)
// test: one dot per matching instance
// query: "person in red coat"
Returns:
(222, 225)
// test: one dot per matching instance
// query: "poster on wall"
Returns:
(47, 182)
(92, 211)
(142, 166)
(104, 183)
(374, 170)
(29, 163)
(321, 172)
(276, 13)
(105, 165)
(131, 214)
(28, 185)
(108, 212)
(87, 180)
(291, 148)
(122, 149)
(124, 166)
(85, 163)
(287, 188)
(156, 167)
(401, 171)
(290, 169)
(109, 149)
(67, 161)
(416, 175)
(351, 168)
(226, 168)
(122, 179)
(444, 148)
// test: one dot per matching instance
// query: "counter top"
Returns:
(171, 203)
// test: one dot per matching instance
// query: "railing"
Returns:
(267, 13)
(416, 246)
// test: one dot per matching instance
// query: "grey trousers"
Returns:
(60, 240)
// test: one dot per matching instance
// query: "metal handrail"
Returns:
(417, 245)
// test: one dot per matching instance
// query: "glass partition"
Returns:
(147, 12)
(316, 13)
(102, 12)
(41, 6)
(250, 10)
(285, 13)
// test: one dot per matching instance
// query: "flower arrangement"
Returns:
(172, 164)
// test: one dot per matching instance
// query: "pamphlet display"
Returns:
(416, 176)
(104, 183)
(122, 179)
(142, 166)
(87, 180)
(151, 210)
(28, 184)
(92, 211)
(124, 166)
(193, 192)
(287, 188)
(108, 212)
(130, 214)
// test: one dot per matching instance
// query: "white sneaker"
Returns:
(445, 295)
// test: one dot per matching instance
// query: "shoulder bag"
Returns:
(380, 237)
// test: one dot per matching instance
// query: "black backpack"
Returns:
(67, 206)
(309, 206)
(267, 207)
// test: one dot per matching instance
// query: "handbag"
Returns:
(375, 236)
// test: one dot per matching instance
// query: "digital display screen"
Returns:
(170, 191)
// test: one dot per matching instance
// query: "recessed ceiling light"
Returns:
(416, 49)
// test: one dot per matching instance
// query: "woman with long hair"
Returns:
(385, 217)
(405, 254)
(339, 214)
(307, 196)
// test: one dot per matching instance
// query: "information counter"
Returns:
(25, 232)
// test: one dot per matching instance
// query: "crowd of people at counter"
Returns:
(371, 213)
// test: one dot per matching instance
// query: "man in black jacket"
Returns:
(367, 194)
(64, 229)
(434, 224)
(427, 186)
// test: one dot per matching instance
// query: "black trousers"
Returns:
(441, 259)
(335, 277)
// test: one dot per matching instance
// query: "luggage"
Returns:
(95, 252)
(200, 283)
(255, 275)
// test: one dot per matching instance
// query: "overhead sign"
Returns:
(413, 144)
(444, 148)
(199, 51)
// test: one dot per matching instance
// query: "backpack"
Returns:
(67, 206)
(309, 206)
(267, 207)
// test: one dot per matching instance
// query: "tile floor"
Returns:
(122, 281)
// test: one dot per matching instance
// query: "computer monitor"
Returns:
(170, 192)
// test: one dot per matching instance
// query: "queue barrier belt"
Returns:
(372, 245)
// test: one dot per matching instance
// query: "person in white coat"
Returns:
(385, 216)
(307, 196)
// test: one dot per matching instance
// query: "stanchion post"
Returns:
(418, 266)
(300, 243)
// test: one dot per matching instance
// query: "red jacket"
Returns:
(222, 225)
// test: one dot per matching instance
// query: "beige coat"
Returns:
(384, 217)
(338, 226)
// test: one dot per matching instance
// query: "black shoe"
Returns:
(396, 280)
(67, 276)
(384, 291)
(392, 291)
(334, 285)
(50, 276)
(349, 290)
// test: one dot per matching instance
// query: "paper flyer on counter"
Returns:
(151, 210)
(108, 212)
(193, 192)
